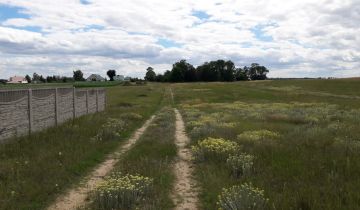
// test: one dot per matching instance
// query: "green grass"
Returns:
(36, 169)
(314, 164)
(152, 156)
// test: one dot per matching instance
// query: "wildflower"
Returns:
(241, 164)
(245, 196)
(214, 148)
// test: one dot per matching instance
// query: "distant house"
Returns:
(95, 77)
(119, 78)
(127, 78)
(17, 80)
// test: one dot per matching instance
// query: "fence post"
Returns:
(74, 103)
(30, 111)
(87, 101)
(97, 100)
(56, 107)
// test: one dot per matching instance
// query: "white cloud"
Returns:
(304, 38)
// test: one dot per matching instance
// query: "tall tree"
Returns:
(78, 75)
(111, 74)
(36, 77)
(258, 72)
(183, 71)
(228, 73)
(150, 74)
(28, 78)
(241, 74)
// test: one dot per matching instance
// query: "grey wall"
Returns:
(26, 111)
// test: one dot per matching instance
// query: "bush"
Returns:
(121, 192)
(258, 135)
(240, 164)
(131, 116)
(212, 148)
(110, 130)
(242, 197)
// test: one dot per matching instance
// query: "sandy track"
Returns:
(185, 193)
(76, 197)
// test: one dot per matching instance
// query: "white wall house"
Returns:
(119, 78)
(17, 80)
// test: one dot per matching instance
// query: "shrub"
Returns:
(131, 116)
(241, 164)
(242, 197)
(121, 192)
(110, 130)
(258, 135)
(214, 148)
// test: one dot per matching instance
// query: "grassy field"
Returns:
(302, 136)
(297, 140)
(36, 169)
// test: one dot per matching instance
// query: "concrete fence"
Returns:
(26, 111)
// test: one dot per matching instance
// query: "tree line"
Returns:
(220, 70)
(78, 76)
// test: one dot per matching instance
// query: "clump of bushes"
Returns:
(214, 148)
(131, 116)
(110, 130)
(242, 197)
(241, 164)
(121, 192)
(258, 135)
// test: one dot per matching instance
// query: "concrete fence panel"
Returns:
(14, 113)
(26, 111)
(81, 104)
(43, 109)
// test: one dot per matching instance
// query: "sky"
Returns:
(298, 38)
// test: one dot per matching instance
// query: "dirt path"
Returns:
(185, 195)
(76, 197)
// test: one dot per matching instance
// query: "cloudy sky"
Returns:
(295, 38)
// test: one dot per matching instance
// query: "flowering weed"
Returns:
(243, 197)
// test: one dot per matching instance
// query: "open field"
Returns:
(297, 140)
(303, 140)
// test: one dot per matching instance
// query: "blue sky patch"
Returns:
(9, 12)
(93, 27)
(201, 15)
(85, 2)
(167, 43)
(36, 29)
(259, 33)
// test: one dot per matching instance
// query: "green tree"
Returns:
(183, 71)
(36, 77)
(257, 72)
(111, 74)
(228, 73)
(150, 74)
(242, 74)
(28, 78)
(78, 75)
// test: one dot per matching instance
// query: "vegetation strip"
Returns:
(76, 197)
(143, 178)
(185, 194)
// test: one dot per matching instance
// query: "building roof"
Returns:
(17, 79)
(96, 77)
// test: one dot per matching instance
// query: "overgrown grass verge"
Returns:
(298, 154)
(36, 169)
(150, 158)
